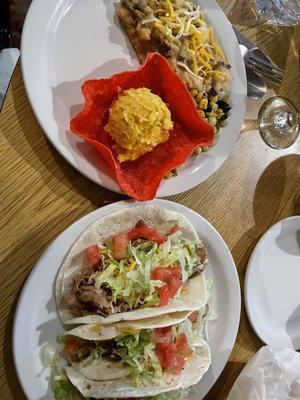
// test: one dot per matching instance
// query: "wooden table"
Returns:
(41, 195)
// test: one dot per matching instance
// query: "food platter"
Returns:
(84, 40)
(37, 322)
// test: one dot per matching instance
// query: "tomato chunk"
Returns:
(172, 277)
(70, 347)
(171, 355)
(162, 335)
(92, 255)
(174, 229)
(169, 358)
(168, 291)
(120, 243)
(143, 231)
(164, 274)
(193, 316)
(182, 346)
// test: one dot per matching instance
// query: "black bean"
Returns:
(164, 49)
(213, 92)
(224, 106)
(223, 117)
(208, 109)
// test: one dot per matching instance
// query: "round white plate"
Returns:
(272, 285)
(37, 322)
(66, 42)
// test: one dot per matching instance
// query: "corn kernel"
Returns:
(205, 148)
(203, 104)
(168, 175)
(199, 97)
(212, 120)
(201, 113)
(213, 99)
(214, 106)
(197, 151)
(194, 92)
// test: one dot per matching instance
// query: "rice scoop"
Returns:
(138, 121)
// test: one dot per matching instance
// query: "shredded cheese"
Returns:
(203, 52)
(181, 64)
(95, 327)
(149, 20)
(170, 7)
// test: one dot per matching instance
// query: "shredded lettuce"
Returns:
(193, 332)
(130, 279)
(137, 351)
(62, 388)
(48, 355)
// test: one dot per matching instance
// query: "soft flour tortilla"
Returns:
(119, 388)
(108, 332)
(192, 297)
(103, 369)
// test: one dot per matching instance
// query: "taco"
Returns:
(135, 263)
(140, 358)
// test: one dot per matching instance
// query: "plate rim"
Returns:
(111, 208)
(253, 320)
(182, 185)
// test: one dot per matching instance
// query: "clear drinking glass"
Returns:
(279, 122)
(279, 12)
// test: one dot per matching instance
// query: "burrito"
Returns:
(135, 263)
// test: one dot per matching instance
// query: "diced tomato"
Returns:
(143, 231)
(169, 358)
(172, 277)
(120, 243)
(165, 329)
(171, 355)
(70, 347)
(92, 255)
(164, 274)
(193, 316)
(168, 291)
(182, 346)
(174, 229)
(162, 335)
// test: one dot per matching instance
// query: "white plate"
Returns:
(37, 322)
(272, 285)
(66, 42)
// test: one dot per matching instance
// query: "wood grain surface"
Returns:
(41, 194)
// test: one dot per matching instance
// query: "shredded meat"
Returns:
(95, 300)
(84, 299)
(203, 256)
(82, 352)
